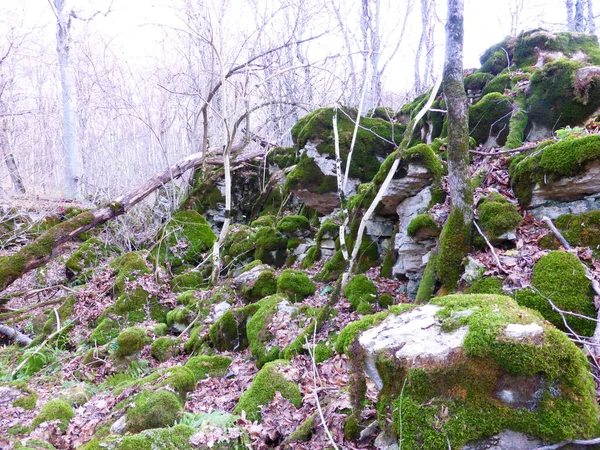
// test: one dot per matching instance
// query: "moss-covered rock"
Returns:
(467, 367)
(270, 246)
(490, 117)
(295, 284)
(560, 276)
(131, 341)
(91, 253)
(360, 290)
(239, 244)
(183, 241)
(229, 331)
(172, 438)
(486, 285)
(153, 410)
(497, 216)
(65, 311)
(180, 379)
(257, 283)
(270, 379)
(164, 348)
(54, 410)
(580, 230)
(294, 226)
(264, 221)
(106, 330)
(180, 317)
(204, 366)
(423, 227)
(191, 280)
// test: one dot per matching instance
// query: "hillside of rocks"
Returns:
(133, 347)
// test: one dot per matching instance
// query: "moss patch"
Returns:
(581, 230)
(295, 284)
(423, 227)
(153, 410)
(490, 117)
(54, 410)
(497, 216)
(130, 341)
(164, 348)
(266, 383)
(560, 276)
(203, 366)
(360, 290)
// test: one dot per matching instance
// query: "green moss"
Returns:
(427, 285)
(263, 286)
(556, 100)
(517, 124)
(54, 410)
(453, 405)
(26, 402)
(487, 285)
(349, 334)
(290, 225)
(360, 289)
(495, 62)
(333, 268)
(89, 255)
(172, 438)
(106, 331)
(283, 157)
(455, 242)
(386, 299)
(497, 216)
(304, 431)
(317, 127)
(307, 175)
(477, 81)
(65, 312)
(270, 246)
(581, 230)
(295, 284)
(258, 333)
(184, 240)
(153, 410)
(186, 281)
(264, 386)
(264, 221)
(204, 366)
(560, 276)
(309, 259)
(239, 244)
(229, 331)
(423, 225)
(490, 117)
(181, 315)
(553, 161)
(205, 195)
(130, 341)
(164, 348)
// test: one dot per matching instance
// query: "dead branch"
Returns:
(491, 247)
(571, 442)
(46, 247)
(523, 148)
(21, 311)
(556, 233)
(11, 333)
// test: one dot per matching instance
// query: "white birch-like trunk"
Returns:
(70, 141)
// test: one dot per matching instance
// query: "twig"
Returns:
(18, 312)
(523, 148)
(573, 441)
(556, 233)
(498, 263)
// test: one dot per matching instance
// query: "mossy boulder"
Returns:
(180, 317)
(276, 325)
(54, 410)
(184, 241)
(272, 378)
(172, 438)
(229, 331)
(497, 216)
(91, 253)
(270, 246)
(164, 348)
(580, 230)
(256, 283)
(180, 379)
(489, 118)
(423, 227)
(131, 341)
(467, 367)
(203, 366)
(361, 292)
(191, 280)
(560, 276)
(534, 174)
(295, 284)
(294, 226)
(486, 285)
(153, 410)
(240, 243)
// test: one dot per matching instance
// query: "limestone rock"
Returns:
(416, 179)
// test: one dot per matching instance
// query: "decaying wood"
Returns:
(45, 247)
(18, 337)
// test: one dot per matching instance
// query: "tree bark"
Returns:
(70, 144)
(45, 247)
(456, 237)
(570, 18)
(11, 164)
(11, 333)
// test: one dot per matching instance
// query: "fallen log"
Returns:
(11, 333)
(44, 248)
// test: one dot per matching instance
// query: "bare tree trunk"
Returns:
(11, 164)
(580, 16)
(591, 19)
(73, 168)
(570, 17)
(455, 240)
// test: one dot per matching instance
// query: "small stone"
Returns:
(220, 309)
(119, 426)
(473, 270)
(519, 332)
